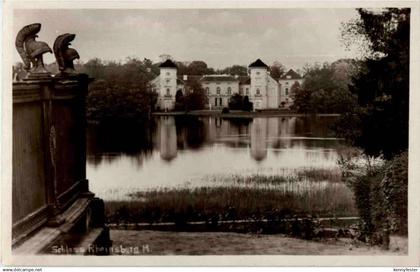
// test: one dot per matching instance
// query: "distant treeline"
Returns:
(121, 90)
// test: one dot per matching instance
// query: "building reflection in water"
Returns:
(168, 138)
(259, 139)
(287, 131)
(174, 151)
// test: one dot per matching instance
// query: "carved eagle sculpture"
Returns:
(65, 55)
(31, 51)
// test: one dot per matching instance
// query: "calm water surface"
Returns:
(207, 151)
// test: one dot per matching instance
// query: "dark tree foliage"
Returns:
(277, 70)
(247, 105)
(325, 90)
(195, 98)
(120, 90)
(236, 102)
(380, 124)
(238, 70)
(302, 101)
(196, 67)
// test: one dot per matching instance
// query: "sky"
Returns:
(220, 37)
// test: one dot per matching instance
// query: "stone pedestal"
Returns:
(49, 157)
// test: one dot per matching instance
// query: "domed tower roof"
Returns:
(168, 64)
(258, 64)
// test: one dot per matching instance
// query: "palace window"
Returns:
(168, 74)
(287, 91)
(168, 80)
(168, 91)
(218, 90)
(208, 90)
(229, 90)
(258, 92)
(287, 82)
(258, 73)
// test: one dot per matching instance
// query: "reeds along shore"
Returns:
(237, 198)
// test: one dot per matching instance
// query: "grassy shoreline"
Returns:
(240, 197)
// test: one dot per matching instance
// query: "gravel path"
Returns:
(222, 243)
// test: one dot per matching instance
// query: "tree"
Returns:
(238, 70)
(198, 67)
(94, 68)
(120, 91)
(319, 77)
(277, 70)
(295, 87)
(179, 101)
(302, 100)
(325, 90)
(182, 68)
(380, 124)
(196, 98)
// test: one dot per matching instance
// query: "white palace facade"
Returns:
(262, 90)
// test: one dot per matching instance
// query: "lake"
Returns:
(192, 152)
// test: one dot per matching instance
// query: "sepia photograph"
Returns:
(210, 131)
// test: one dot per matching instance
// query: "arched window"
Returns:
(258, 92)
(168, 91)
(229, 90)
(218, 90)
(287, 91)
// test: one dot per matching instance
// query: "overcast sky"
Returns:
(221, 37)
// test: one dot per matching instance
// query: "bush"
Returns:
(395, 190)
(225, 110)
(195, 100)
(381, 198)
(179, 101)
(247, 106)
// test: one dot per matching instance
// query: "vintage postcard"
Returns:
(210, 133)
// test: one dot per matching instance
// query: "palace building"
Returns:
(287, 81)
(262, 90)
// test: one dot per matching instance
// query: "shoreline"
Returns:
(242, 114)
